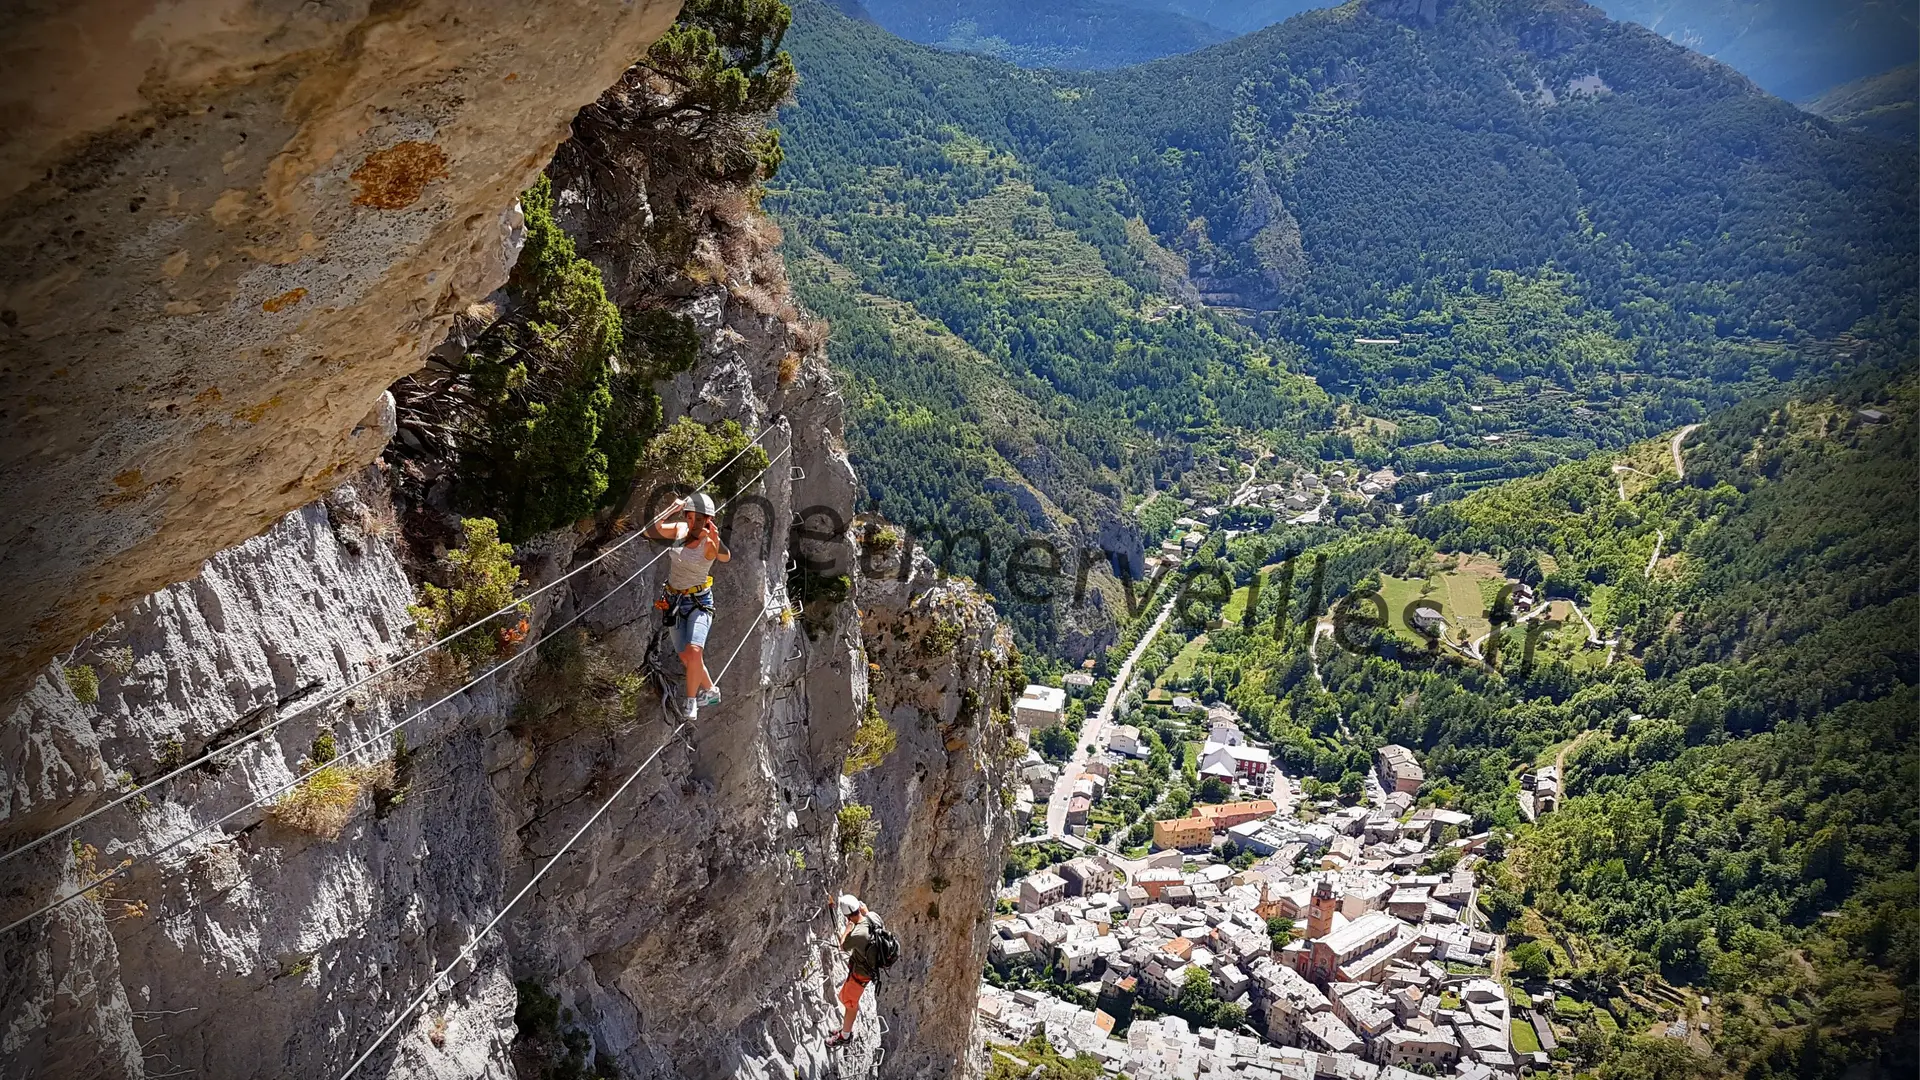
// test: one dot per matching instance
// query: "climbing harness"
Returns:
(665, 604)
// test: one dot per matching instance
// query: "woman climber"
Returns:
(688, 599)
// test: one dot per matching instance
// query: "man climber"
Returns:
(860, 941)
(688, 599)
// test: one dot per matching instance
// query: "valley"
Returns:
(1336, 266)
(1532, 751)
(1345, 541)
(1417, 405)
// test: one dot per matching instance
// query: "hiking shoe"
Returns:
(709, 696)
(839, 1038)
(690, 708)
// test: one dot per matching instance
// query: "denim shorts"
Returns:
(690, 615)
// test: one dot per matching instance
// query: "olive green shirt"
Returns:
(861, 959)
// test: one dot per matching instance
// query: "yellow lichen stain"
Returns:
(253, 415)
(230, 207)
(103, 599)
(512, 76)
(208, 396)
(128, 479)
(284, 300)
(176, 263)
(392, 179)
(182, 307)
(211, 262)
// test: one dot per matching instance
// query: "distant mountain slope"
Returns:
(1513, 231)
(1796, 49)
(1238, 16)
(1072, 34)
(1882, 105)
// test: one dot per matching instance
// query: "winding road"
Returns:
(1093, 733)
(1680, 466)
(1253, 471)
(1312, 517)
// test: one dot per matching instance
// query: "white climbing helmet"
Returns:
(701, 503)
(849, 904)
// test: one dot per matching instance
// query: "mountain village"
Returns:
(1331, 931)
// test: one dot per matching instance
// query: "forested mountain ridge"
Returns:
(1883, 105)
(1072, 34)
(1512, 233)
(1796, 49)
(1014, 364)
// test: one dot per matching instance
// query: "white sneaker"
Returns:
(709, 696)
(690, 708)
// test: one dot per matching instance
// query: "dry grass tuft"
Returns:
(764, 231)
(324, 802)
(810, 334)
(789, 368)
(759, 298)
(729, 207)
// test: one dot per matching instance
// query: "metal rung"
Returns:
(797, 473)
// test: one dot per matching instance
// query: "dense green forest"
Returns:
(1507, 240)
(1742, 817)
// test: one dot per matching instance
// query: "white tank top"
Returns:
(687, 568)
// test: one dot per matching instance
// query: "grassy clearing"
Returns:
(1462, 595)
(1524, 1040)
(1236, 608)
(1181, 669)
(1012, 229)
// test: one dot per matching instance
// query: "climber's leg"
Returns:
(850, 998)
(690, 626)
(694, 658)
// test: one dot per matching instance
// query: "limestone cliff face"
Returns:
(936, 662)
(229, 227)
(685, 935)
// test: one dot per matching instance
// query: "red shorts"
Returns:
(851, 990)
